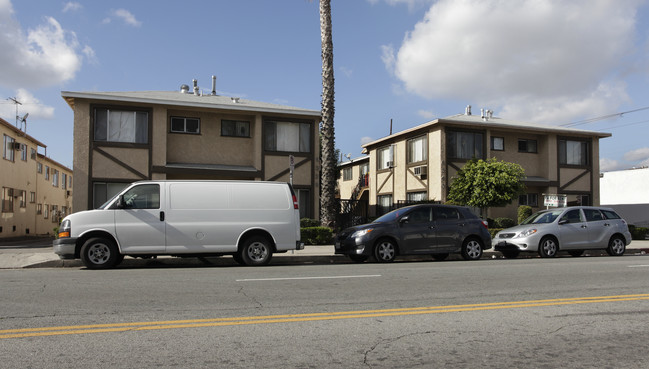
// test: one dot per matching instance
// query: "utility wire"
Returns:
(603, 117)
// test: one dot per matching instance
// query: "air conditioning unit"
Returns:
(390, 164)
(17, 146)
(421, 170)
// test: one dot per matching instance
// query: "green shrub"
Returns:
(524, 212)
(316, 235)
(504, 223)
(307, 222)
(638, 233)
(493, 231)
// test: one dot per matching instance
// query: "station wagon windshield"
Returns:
(543, 217)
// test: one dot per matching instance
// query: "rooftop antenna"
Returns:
(16, 102)
(23, 120)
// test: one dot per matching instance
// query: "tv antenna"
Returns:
(22, 120)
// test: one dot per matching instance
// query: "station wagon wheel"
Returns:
(385, 251)
(256, 250)
(616, 246)
(472, 249)
(99, 253)
(548, 247)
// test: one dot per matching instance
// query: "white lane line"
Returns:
(638, 266)
(305, 278)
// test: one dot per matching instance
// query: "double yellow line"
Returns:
(195, 323)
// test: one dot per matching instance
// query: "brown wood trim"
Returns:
(121, 163)
(287, 171)
(199, 171)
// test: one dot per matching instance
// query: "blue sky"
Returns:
(409, 61)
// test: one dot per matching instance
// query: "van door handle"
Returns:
(162, 216)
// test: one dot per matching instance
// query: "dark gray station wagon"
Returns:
(436, 230)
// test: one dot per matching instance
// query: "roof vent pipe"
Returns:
(184, 89)
(195, 86)
(467, 111)
(213, 85)
(482, 113)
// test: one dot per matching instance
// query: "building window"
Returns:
(287, 136)
(235, 128)
(384, 203)
(417, 149)
(70, 182)
(8, 148)
(185, 125)
(23, 152)
(47, 173)
(573, 152)
(347, 174)
(365, 169)
(465, 145)
(32, 197)
(64, 181)
(39, 209)
(104, 191)
(55, 178)
(39, 167)
(121, 126)
(498, 143)
(23, 198)
(527, 146)
(385, 156)
(416, 196)
(303, 201)
(33, 153)
(529, 199)
(7, 200)
(46, 212)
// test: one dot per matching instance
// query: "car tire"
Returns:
(256, 251)
(511, 254)
(358, 258)
(385, 251)
(472, 249)
(237, 258)
(548, 247)
(99, 253)
(440, 257)
(576, 253)
(616, 246)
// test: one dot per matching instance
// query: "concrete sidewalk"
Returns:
(37, 253)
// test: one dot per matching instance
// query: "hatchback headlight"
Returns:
(527, 233)
(361, 233)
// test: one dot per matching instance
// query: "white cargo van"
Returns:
(249, 220)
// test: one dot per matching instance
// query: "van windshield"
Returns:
(104, 205)
(543, 217)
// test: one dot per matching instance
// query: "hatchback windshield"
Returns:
(543, 217)
(394, 214)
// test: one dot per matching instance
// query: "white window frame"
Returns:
(385, 157)
(184, 122)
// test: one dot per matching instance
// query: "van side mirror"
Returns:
(119, 204)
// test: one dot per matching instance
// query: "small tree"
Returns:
(489, 183)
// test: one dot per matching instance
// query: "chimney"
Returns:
(467, 111)
(213, 85)
(195, 86)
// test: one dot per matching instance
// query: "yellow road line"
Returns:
(194, 323)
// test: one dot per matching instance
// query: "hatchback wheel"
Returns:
(616, 246)
(471, 249)
(385, 251)
(548, 247)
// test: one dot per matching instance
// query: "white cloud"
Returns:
(125, 16)
(534, 60)
(71, 6)
(366, 140)
(44, 56)
(426, 114)
(346, 71)
(607, 165)
(641, 154)
(30, 104)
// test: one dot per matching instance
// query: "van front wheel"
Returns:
(100, 253)
(256, 250)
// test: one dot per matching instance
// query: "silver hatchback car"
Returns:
(572, 229)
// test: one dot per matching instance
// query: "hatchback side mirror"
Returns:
(404, 219)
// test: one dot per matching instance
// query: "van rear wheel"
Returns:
(100, 253)
(256, 250)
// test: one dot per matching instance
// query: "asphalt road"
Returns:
(524, 313)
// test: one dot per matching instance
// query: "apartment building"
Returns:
(419, 163)
(122, 137)
(36, 190)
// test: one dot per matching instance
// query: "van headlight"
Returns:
(65, 228)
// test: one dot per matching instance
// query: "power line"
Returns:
(603, 117)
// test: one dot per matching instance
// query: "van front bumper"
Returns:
(65, 247)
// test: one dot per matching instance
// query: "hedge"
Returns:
(638, 233)
(316, 235)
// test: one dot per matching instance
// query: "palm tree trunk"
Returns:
(327, 156)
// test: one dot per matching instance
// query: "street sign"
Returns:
(555, 201)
